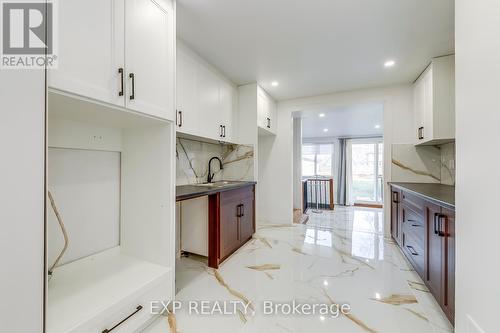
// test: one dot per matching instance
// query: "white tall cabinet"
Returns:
(206, 101)
(110, 126)
(434, 98)
(109, 54)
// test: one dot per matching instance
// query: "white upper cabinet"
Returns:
(227, 102)
(266, 112)
(149, 48)
(118, 52)
(434, 98)
(187, 121)
(91, 49)
(206, 102)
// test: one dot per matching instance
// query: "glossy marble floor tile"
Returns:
(339, 257)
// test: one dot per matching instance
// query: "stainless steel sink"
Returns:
(222, 183)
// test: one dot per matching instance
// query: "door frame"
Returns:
(379, 190)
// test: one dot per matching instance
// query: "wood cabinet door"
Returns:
(448, 218)
(435, 252)
(91, 50)
(395, 225)
(229, 226)
(247, 225)
(149, 53)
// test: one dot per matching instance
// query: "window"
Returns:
(367, 170)
(317, 159)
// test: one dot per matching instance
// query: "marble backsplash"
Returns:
(193, 156)
(423, 164)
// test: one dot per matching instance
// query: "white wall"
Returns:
(297, 163)
(477, 182)
(22, 167)
(275, 175)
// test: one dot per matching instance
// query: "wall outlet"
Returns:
(472, 326)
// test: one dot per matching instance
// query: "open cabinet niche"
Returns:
(111, 175)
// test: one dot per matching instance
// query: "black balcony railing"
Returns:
(317, 193)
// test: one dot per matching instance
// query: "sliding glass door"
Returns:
(367, 171)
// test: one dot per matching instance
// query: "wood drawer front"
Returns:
(238, 194)
(413, 201)
(413, 224)
(414, 251)
(107, 318)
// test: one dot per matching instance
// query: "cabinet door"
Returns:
(395, 224)
(208, 104)
(226, 102)
(448, 226)
(262, 109)
(187, 119)
(91, 49)
(229, 225)
(272, 116)
(435, 252)
(419, 102)
(149, 47)
(428, 106)
(247, 226)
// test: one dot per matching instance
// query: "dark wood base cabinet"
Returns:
(425, 232)
(231, 223)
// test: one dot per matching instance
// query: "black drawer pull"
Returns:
(137, 309)
(132, 76)
(239, 210)
(120, 71)
(412, 250)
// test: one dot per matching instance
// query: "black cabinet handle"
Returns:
(242, 210)
(440, 218)
(420, 133)
(132, 76)
(268, 122)
(137, 309)
(239, 210)
(220, 131)
(120, 71)
(412, 250)
(180, 119)
(435, 223)
(395, 196)
(224, 131)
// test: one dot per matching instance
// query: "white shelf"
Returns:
(84, 289)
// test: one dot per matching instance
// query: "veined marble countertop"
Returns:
(184, 192)
(442, 194)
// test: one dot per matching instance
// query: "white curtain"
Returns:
(348, 198)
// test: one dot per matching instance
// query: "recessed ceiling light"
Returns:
(321, 115)
(325, 130)
(389, 63)
(377, 126)
(275, 83)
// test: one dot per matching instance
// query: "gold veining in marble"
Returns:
(397, 299)
(172, 322)
(265, 267)
(349, 316)
(233, 292)
(418, 286)
(417, 172)
(242, 316)
(418, 314)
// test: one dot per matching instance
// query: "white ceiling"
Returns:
(349, 121)
(317, 46)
